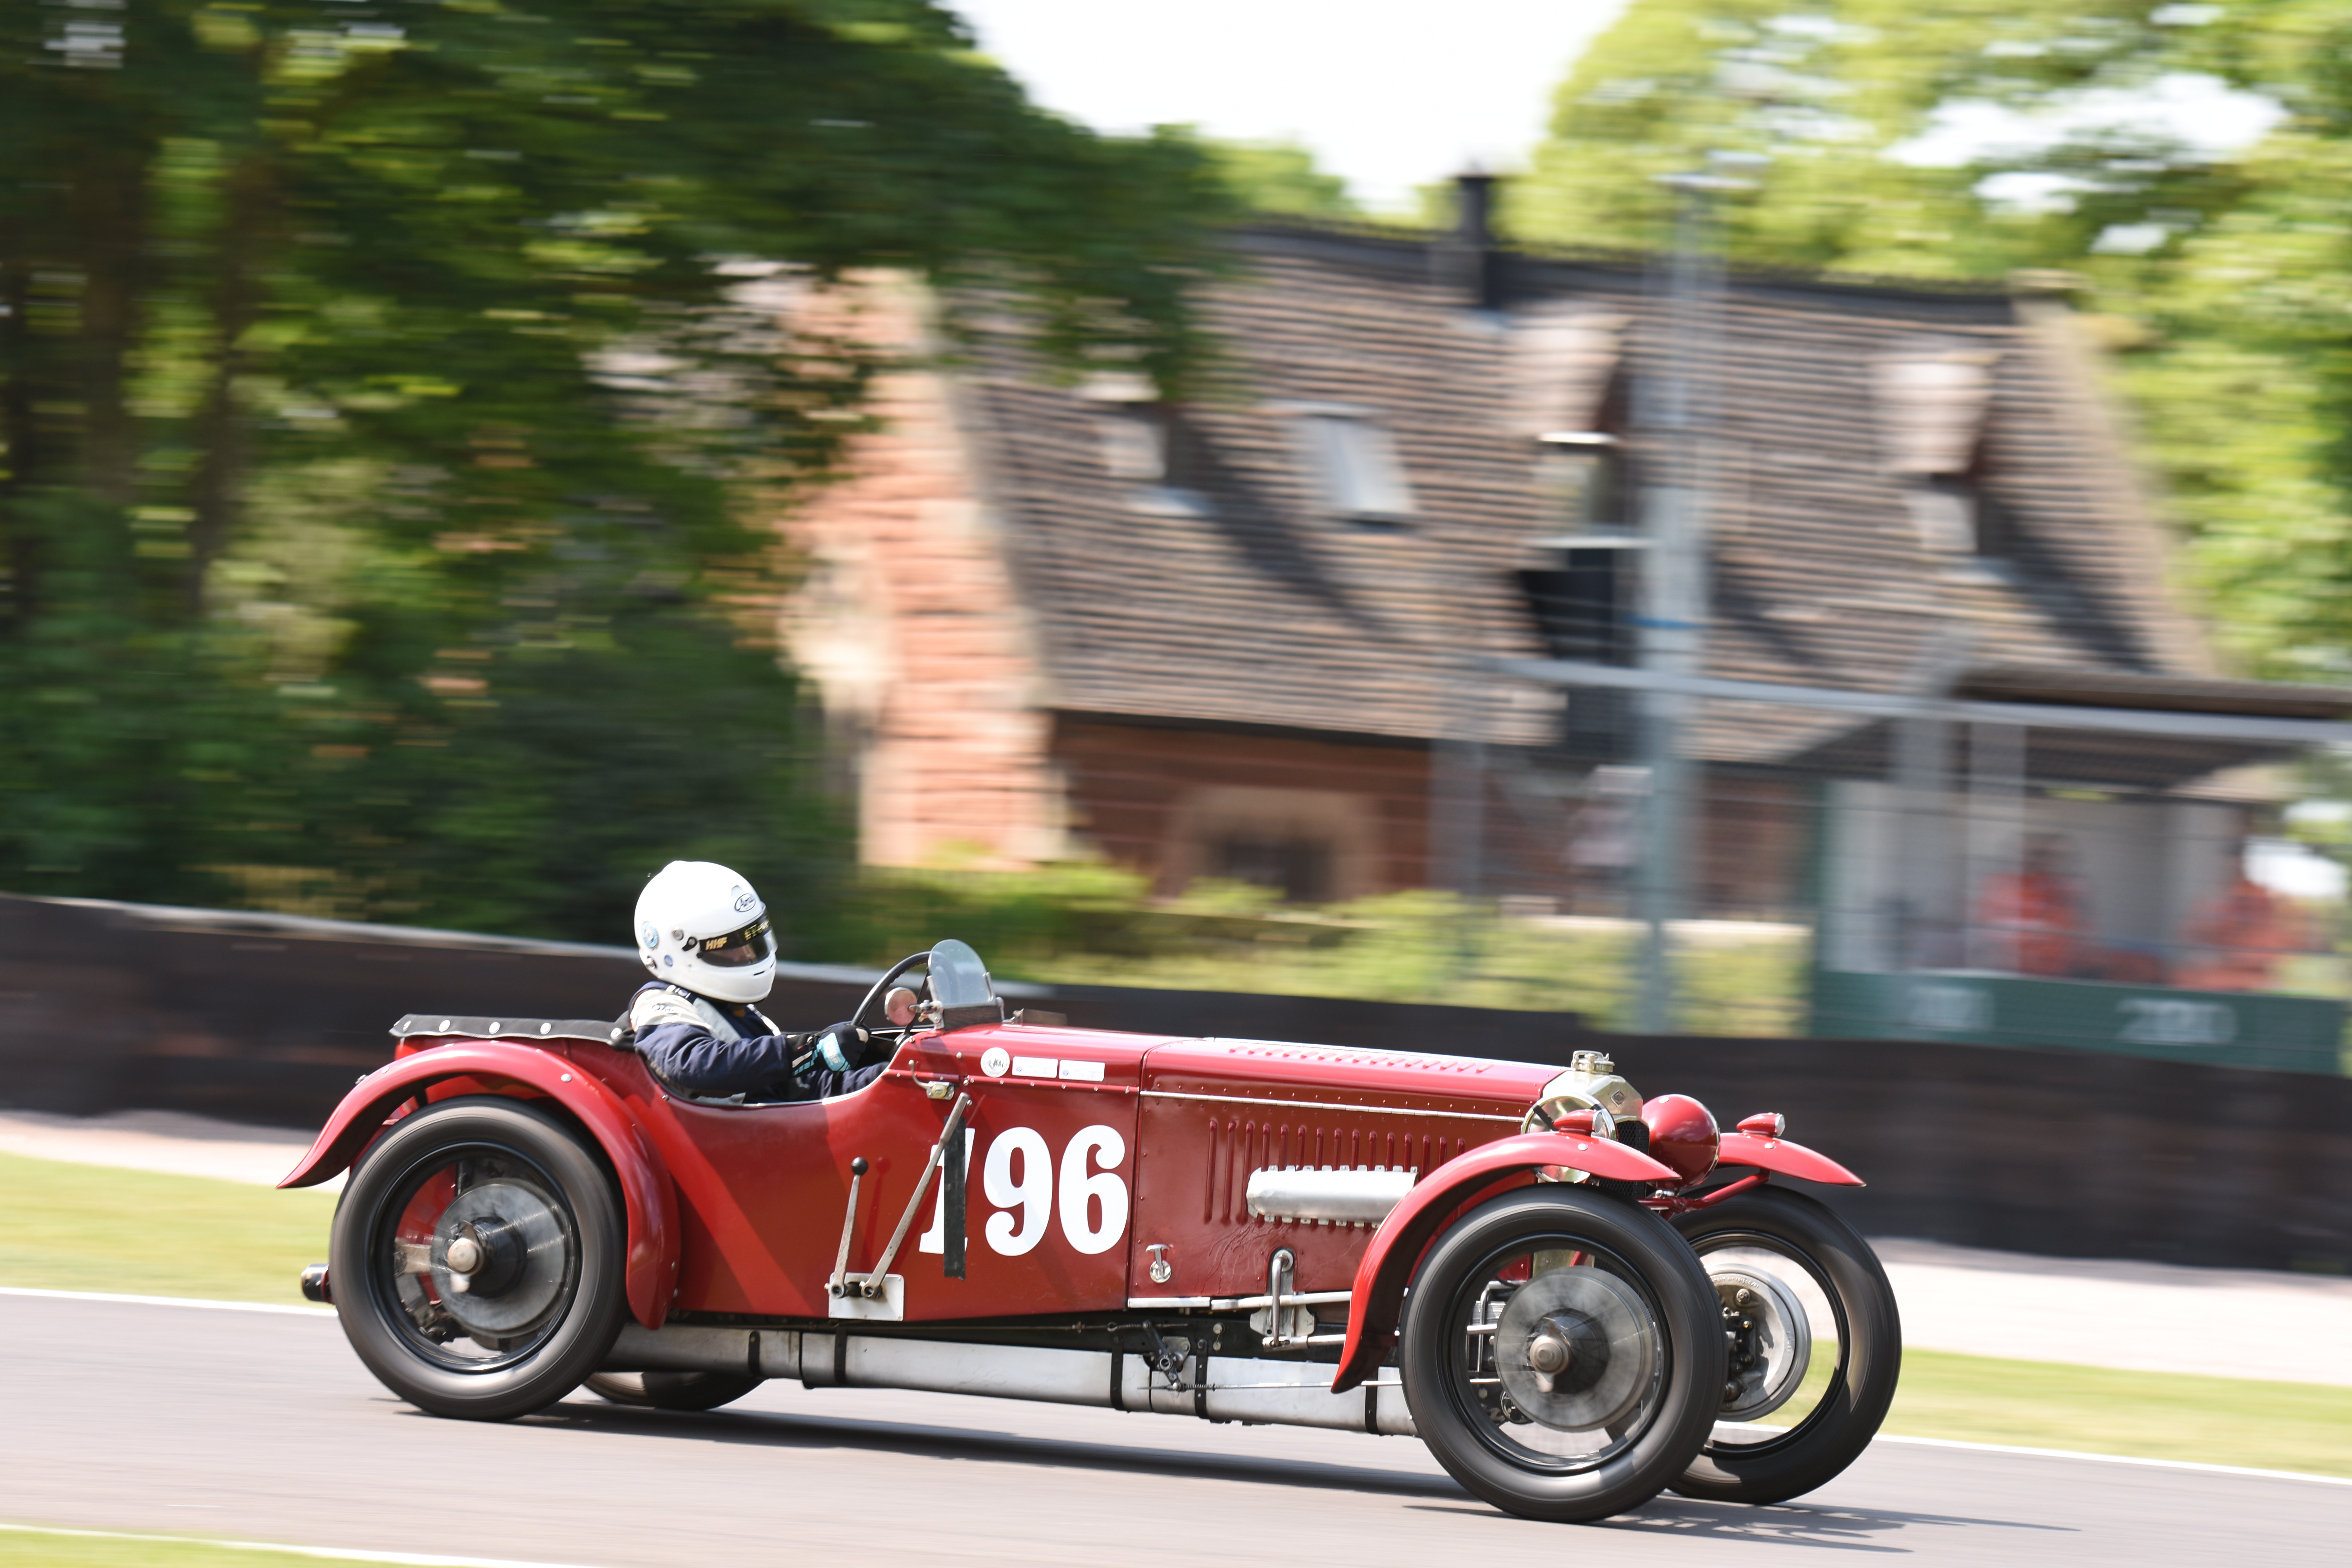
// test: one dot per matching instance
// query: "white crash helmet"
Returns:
(701, 926)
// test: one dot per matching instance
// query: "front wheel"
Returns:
(1562, 1354)
(1816, 1346)
(477, 1260)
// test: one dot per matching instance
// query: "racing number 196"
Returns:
(1016, 1176)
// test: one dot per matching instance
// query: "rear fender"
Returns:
(646, 1194)
(1784, 1158)
(1397, 1246)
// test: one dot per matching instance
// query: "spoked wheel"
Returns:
(1562, 1353)
(671, 1390)
(477, 1260)
(1815, 1346)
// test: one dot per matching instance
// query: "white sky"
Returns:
(1387, 94)
(1392, 94)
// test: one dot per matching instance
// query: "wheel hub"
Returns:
(1576, 1349)
(486, 1259)
(501, 1254)
(1769, 1341)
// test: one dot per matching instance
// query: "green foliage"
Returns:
(394, 398)
(1281, 179)
(1095, 925)
(1833, 97)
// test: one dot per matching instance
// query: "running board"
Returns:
(1213, 1387)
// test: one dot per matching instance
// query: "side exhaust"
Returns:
(1344, 1196)
(1212, 1387)
(315, 1287)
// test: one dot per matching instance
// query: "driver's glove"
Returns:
(839, 1046)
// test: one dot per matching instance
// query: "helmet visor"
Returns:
(736, 949)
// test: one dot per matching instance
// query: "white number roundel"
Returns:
(1033, 1194)
(1081, 1192)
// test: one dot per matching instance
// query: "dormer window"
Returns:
(1355, 466)
(1955, 515)
(1932, 395)
(1147, 443)
(1581, 475)
(1583, 580)
(1135, 444)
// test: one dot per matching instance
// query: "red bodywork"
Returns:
(1093, 1154)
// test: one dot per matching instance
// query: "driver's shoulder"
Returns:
(660, 1004)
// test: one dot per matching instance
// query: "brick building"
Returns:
(1054, 619)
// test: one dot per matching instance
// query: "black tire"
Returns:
(1674, 1370)
(1846, 1413)
(671, 1390)
(542, 1213)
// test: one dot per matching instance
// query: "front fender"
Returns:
(1784, 1158)
(646, 1194)
(1396, 1247)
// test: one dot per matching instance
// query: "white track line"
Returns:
(337, 1553)
(1882, 1437)
(172, 1301)
(2116, 1459)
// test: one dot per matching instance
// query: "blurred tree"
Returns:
(1880, 122)
(1281, 179)
(1971, 137)
(391, 392)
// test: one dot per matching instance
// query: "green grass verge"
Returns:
(90, 1228)
(32, 1547)
(39, 1548)
(2154, 1415)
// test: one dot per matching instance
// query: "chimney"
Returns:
(1468, 261)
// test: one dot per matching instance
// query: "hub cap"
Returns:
(518, 1247)
(1576, 1349)
(482, 1260)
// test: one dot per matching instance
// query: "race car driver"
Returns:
(704, 936)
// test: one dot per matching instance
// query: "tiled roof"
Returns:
(1254, 608)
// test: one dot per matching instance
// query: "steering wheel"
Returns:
(857, 1019)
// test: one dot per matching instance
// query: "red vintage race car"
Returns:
(1575, 1296)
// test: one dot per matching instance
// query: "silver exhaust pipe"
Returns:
(1212, 1387)
(1344, 1196)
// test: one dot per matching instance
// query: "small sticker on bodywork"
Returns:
(1033, 1067)
(995, 1061)
(1085, 1072)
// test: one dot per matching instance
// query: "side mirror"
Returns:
(898, 1007)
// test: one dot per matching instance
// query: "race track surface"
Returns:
(265, 1426)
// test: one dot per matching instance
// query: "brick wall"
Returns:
(908, 623)
(1152, 798)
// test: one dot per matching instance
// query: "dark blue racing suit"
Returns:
(762, 1064)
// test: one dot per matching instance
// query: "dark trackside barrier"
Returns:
(267, 1018)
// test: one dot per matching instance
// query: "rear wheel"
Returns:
(1562, 1353)
(671, 1390)
(477, 1260)
(1816, 1346)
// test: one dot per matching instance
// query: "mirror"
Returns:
(898, 1007)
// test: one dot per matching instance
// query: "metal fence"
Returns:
(2033, 867)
